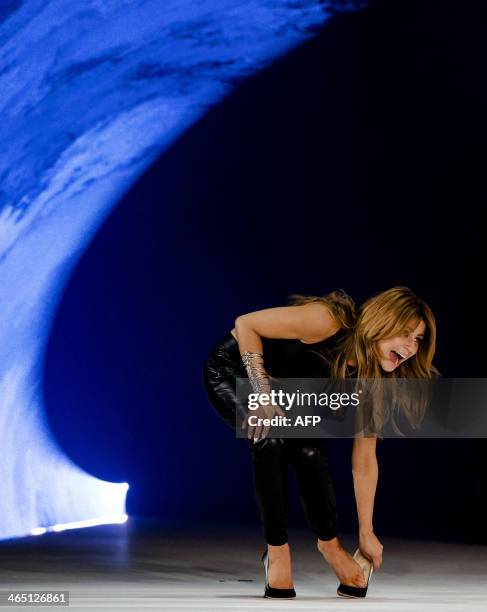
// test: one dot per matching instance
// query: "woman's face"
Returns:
(397, 349)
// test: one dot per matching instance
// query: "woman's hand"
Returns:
(262, 412)
(371, 548)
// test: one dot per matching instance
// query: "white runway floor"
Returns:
(146, 565)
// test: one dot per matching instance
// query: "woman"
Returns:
(392, 335)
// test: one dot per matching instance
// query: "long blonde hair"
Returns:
(384, 315)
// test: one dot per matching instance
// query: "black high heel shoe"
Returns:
(271, 592)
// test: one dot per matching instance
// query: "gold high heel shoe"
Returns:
(346, 590)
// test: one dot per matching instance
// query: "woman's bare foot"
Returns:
(347, 570)
(280, 567)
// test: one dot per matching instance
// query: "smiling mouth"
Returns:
(396, 357)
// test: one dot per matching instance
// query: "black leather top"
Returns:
(295, 359)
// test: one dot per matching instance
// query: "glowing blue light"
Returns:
(119, 498)
(38, 531)
(102, 520)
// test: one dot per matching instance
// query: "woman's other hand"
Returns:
(371, 548)
(268, 411)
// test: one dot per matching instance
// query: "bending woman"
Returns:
(392, 335)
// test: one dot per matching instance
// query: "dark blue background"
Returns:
(357, 161)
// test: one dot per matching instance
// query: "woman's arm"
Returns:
(309, 322)
(365, 471)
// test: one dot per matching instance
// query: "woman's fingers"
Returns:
(377, 561)
(261, 429)
(371, 548)
(258, 432)
(250, 428)
(375, 558)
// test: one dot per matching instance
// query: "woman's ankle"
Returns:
(280, 570)
(275, 552)
(329, 547)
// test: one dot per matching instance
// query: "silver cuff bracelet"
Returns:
(258, 377)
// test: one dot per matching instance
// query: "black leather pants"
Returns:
(271, 457)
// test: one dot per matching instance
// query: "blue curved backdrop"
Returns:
(91, 93)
